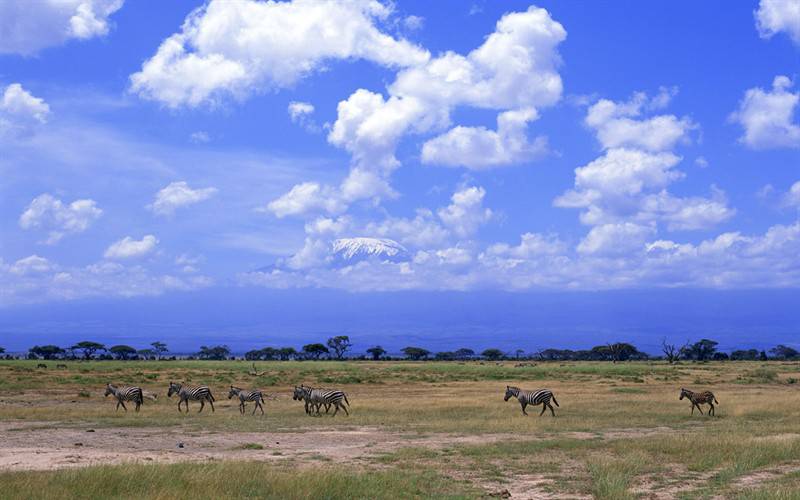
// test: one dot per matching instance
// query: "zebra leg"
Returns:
(117, 408)
(327, 407)
(202, 405)
(345, 410)
(711, 410)
(551, 409)
(211, 402)
(241, 407)
(336, 408)
(544, 407)
(256, 407)
(138, 404)
(692, 408)
(123, 406)
(699, 409)
(523, 408)
(259, 407)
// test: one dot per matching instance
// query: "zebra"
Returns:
(700, 398)
(41, 365)
(319, 397)
(61, 366)
(125, 394)
(540, 397)
(244, 396)
(197, 393)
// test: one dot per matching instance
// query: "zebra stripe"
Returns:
(533, 398)
(319, 397)
(700, 398)
(245, 396)
(195, 393)
(123, 394)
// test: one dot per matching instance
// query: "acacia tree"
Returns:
(315, 350)
(286, 353)
(377, 352)
(88, 348)
(219, 352)
(122, 352)
(464, 353)
(46, 351)
(340, 345)
(701, 350)
(671, 352)
(416, 353)
(160, 348)
(2, 350)
(492, 354)
(146, 353)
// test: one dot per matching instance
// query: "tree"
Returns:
(160, 348)
(377, 352)
(218, 352)
(315, 350)
(122, 352)
(778, 352)
(416, 353)
(340, 345)
(88, 348)
(286, 353)
(445, 356)
(742, 355)
(492, 354)
(702, 350)
(2, 350)
(146, 353)
(464, 353)
(671, 353)
(46, 351)
(720, 356)
(519, 353)
(763, 356)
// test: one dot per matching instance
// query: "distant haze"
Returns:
(246, 318)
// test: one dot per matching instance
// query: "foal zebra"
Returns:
(700, 398)
(197, 393)
(125, 394)
(244, 396)
(533, 398)
(319, 397)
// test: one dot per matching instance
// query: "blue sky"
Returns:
(487, 148)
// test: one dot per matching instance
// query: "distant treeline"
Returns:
(340, 347)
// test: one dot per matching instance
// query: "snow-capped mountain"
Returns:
(351, 250)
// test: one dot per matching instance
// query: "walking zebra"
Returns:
(319, 397)
(197, 393)
(533, 398)
(125, 394)
(244, 396)
(700, 398)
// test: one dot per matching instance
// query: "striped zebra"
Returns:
(319, 397)
(196, 393)
(533, 398)
(700, 398)
(125, 394)
(245, 396)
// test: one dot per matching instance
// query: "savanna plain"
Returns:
(415, 430)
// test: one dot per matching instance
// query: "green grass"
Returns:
(226, 480)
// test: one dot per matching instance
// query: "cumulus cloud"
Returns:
(59, 219)
(615, 239)
(514, 70)
(26, 29)
(237, 48)
(466, 212)
(479, 148)
(179, 194)
(128, 248)
(20, 111)
(305, 197)
(775, 16)
(628, 183)
(31, 265)
(768, 116)
(792, 198)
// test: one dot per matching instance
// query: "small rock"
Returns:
(78, 444)
(179, 445)
(501, 494)
(89, 430)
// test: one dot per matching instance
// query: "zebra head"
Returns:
(684, 393)
(173, 389)
(511, 392)
(109, 389)
(300, 392)
(234, 392)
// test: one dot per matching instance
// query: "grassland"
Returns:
(416, 430)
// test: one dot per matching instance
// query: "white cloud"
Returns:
(413, 23)
(26, 28)
(768, 117)
(300, 113)
(179, 194)
(615, 239)
(792, 198)
(127, 247)
(199, 137)
(59, 219)
(237, 48)
(619, 124)
(20, 111)
(775, 16)
(305, 197)
(479, 148)
(30, 265)
(466, 212)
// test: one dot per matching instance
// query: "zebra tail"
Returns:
(556, 402)
(345, 399)
(715, 400)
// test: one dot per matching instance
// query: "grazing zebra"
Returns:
(197, 393)
(41, 365)
(319, 397)
(245, 396)
(533, 398)
(700, 398)
(125, 394)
